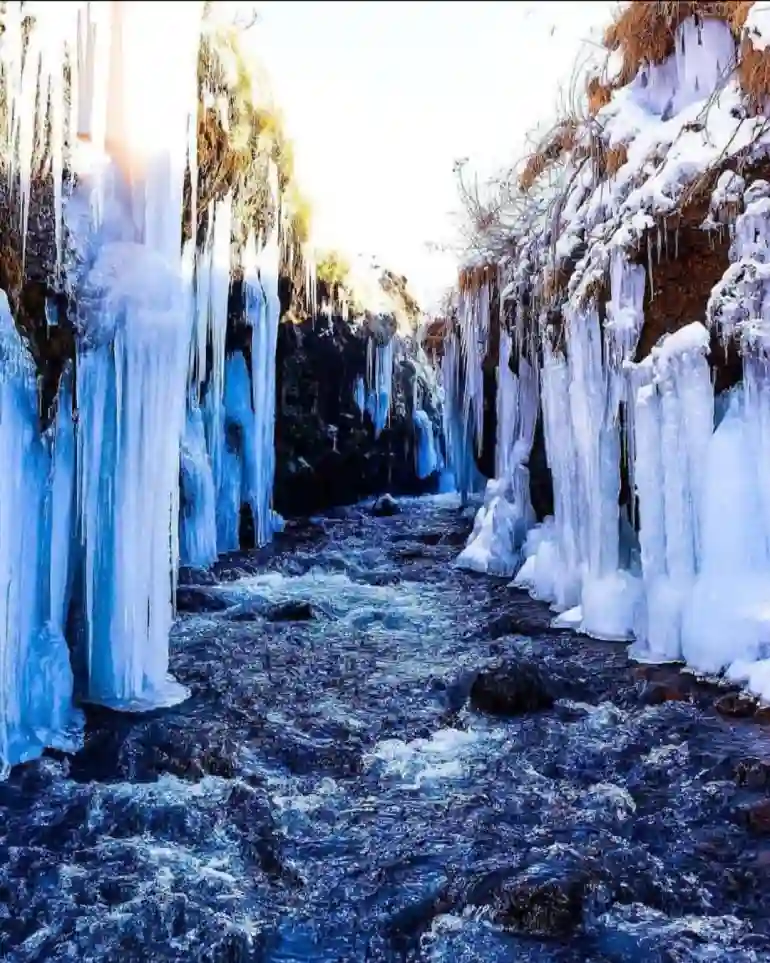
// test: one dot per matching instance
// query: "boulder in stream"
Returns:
(512, 688)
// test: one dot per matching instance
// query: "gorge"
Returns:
(337, 631)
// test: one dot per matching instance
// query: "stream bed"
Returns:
(335, 789)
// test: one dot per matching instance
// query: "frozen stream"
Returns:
(328, 793)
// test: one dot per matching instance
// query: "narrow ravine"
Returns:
(334, 790)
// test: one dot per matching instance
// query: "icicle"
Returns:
(198, 526)
(263, 309)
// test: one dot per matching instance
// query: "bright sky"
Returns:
(381, 98)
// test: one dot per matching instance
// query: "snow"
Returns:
(757, 25)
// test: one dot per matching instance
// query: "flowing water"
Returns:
(328, 793)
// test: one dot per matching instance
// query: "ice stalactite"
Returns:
(35, 675)
(426, 456)
(211, 292)
(197, 517)
(263, 310)
(503, 520)
(474, 320)
(239, 456)
(133, 295)
(379, 368)
(246, 419)
(459, 436)
(359, 394)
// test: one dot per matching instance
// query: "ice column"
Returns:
(263, 310)
(674, 420)
(135, 309)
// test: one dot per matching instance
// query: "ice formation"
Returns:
(106, 502)
(379, 377)
(35, 675)
(426, 456)
(678, 564)
(503, 520)
(197, 516)
(458, 429)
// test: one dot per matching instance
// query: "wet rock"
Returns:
(511, 689)
(755, 817)
(675, 689)
(753, 773)
(518, 623)
(539, 901)
(736, 705)
(638, 934)
(195, 576)
(248, 810)
(291, 611)
(385, 506)
(190, 598)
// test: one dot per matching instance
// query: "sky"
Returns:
(381, 98)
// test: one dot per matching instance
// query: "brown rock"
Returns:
(754, 773)
(756, 817)
(736, 705)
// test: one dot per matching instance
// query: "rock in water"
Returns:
(512, 689)
(291, 611)
(195, 598)
(385, 506)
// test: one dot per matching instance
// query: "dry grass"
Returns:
(472, 279)
(598, 95)
(754, 75)
(614, 159)
(558, 142)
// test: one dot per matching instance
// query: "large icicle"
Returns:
(134, 305)
(379, 366)
(263, 310)
(458, 431)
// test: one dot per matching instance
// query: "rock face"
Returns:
(326, 450)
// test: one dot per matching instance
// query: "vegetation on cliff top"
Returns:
(633, 167)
